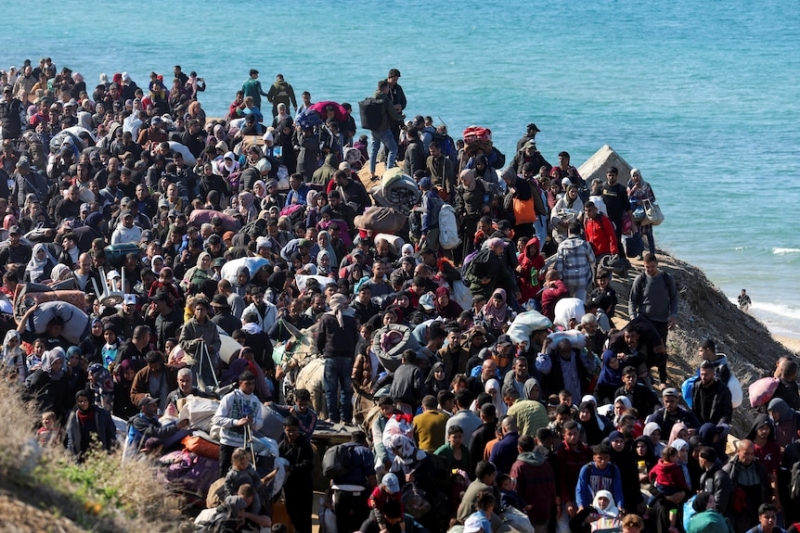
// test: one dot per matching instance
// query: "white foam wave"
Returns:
(739, 249)
(782, 251)
(776, 311)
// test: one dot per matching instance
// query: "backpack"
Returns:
(448, 228)
(337, 461)
(223, 521)
(198, 277)
(371, 111)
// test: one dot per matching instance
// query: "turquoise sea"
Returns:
(703, 97)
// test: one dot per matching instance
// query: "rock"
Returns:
(597, 165)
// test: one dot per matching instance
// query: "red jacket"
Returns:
(570, 462)
(669, 476)
(536, 484)
(600, 234)
(551, 296)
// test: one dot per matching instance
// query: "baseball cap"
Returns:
(504, 340)
(146, 401)
(671, 391)
(391, 482)
(129, 299)
(85, 207)
(13, 230)
(530, 144)
(112, 274)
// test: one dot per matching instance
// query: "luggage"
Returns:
(371, 111)
(76, 323)
(308, 119)
(761, 391)
(652, 214)
(448, 228)
(201, 447)
(567, 308)
(115, 254)
(389, 342)
(204, 216)
(526, 323)
(381, 220)
(476, 133)
(633, 244)
(189, 472)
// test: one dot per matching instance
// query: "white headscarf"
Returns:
(497, 399)
(36, 266)
(609, 512)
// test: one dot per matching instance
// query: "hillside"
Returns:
(704, 311)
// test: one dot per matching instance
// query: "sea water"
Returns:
(701, 96)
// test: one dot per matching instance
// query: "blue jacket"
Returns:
(505, 452)
(591, 479)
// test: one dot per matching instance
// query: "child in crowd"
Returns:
(301, 410)
(111, 347)
(242, 472)
(667, 475)
(508, 493)
(50, 432)
(388, 490)
(484, 506)
(34, 360)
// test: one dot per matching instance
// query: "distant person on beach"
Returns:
(744, 301)
(398, 98)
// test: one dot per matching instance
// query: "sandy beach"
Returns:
(791, 343)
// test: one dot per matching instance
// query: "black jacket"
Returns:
(712, 404)
(334, 340)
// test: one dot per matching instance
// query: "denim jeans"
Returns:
(337, 378)
(387, 139)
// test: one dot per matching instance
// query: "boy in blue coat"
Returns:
(600, 474)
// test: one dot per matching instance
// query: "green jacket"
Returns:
(252, 87)
(281, 93)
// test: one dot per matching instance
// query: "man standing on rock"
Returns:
(655, 296)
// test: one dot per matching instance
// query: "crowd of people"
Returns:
(103, 189)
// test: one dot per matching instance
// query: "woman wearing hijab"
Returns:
(124, 408)
(89, 422)
(12, 357)
(324, 267)
(653, 431)
(247, 207)
(59, 274)
(645, 459)
(41, 265)
(323, 243)
(679, 431)
(49, 387)
(436, 380)
(603, 515)
(204, 264)
(445, 306)
(496, 312)
(568, 208)
(157, 264)
(93, 344)
(610, 378)
(492, 388)
(595, 429)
